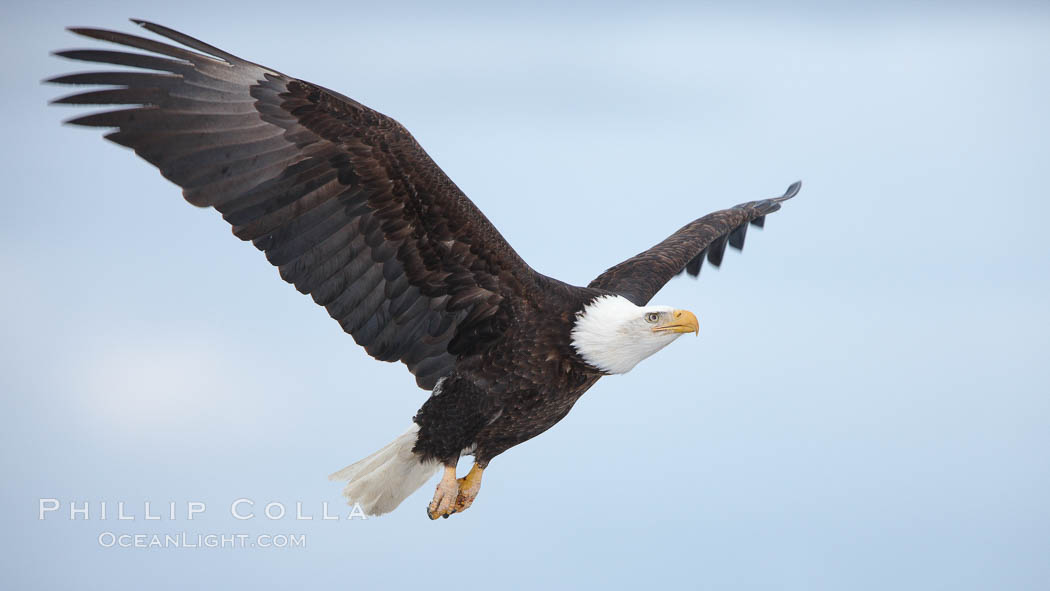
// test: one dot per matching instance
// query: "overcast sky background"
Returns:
(866, 407)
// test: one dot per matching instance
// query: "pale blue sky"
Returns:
(866, 407)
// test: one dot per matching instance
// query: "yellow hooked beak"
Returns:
(681, 321)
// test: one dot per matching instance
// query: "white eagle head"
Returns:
(613, 334)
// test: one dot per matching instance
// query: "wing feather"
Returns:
(641, 276)
(340, 198)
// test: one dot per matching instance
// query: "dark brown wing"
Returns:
(641, 276)
(340, 197)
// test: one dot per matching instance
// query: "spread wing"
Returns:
(641, 276)
(341, 198)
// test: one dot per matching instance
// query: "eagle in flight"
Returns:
(351, 210)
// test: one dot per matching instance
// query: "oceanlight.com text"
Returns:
(193, 541)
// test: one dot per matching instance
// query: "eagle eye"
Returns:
(652, 317)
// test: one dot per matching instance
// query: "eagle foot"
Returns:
(445, 495)
(469, 486)
(455, 495)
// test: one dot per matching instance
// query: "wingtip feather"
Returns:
(791, 191)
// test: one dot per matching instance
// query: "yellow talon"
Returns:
(445, 496)
(455, 495)
(469, 486)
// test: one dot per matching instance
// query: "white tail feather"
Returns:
(381, 481)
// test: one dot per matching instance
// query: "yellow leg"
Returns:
(445, 495)
(469, 486)
(455, 495)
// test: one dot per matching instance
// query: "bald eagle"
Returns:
(352, 211)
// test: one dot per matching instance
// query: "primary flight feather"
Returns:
(352, 211)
